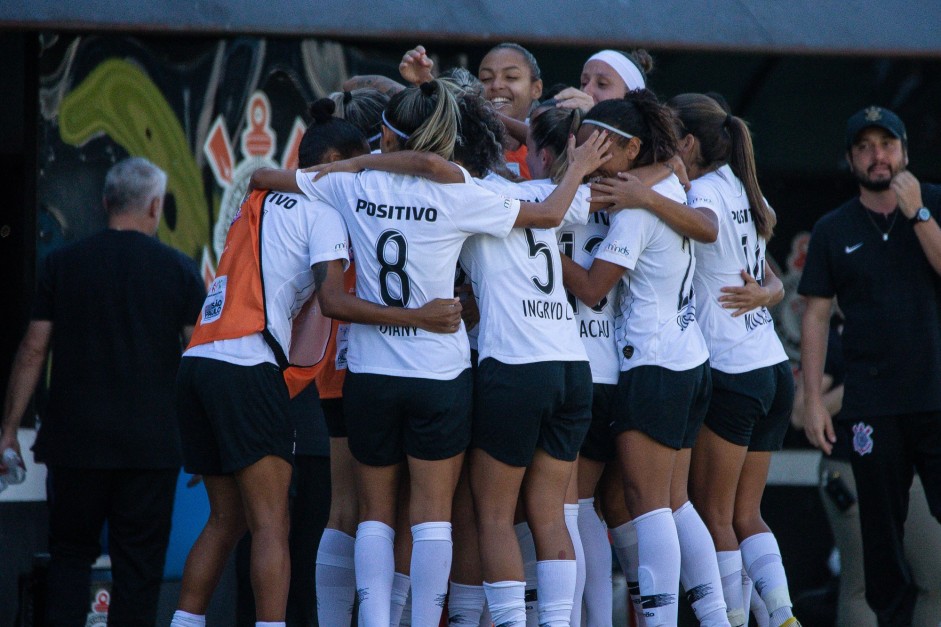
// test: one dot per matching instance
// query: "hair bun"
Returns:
(322, 110)
(429, 88)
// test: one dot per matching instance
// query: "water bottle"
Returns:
(16, 470)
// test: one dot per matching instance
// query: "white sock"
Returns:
(730, 570)
(505, 600)
(699, 571)
(398, 598)
(185, 619)
(528, 550)
(336, 580)
(431, 565)
(624, 541)
(760, 611)
(658, 571)
(556, 581)
(598, 598)
(762, 559)
(571, 523)
(375, 568)
(465, 604)
(748, 590)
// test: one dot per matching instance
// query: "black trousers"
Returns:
(138, 505)
(887, 451)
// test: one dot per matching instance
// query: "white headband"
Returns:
(608, 127)
(625, 68)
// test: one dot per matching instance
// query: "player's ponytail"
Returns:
(327, 132)
(725, 139)
(424, 118)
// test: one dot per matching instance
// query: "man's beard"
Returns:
(873, 185)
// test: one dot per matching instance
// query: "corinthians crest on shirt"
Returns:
(257, 145)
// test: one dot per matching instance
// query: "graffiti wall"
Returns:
(207, 111)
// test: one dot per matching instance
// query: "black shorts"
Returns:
(599, 443)
(667, 405)
(390, 417)
(519, 407)
(333, 414)
(752, 408)
(231, 416)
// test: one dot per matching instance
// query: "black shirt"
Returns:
(118, 301)
(891, 300)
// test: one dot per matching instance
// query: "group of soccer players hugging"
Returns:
(559, 343)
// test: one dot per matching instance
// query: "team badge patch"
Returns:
(862, 438)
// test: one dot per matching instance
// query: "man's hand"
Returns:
(8, 440)
(441, 315)
(818, 425)
(908, 192)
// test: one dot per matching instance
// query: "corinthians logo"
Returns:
(873, 114)
(257, 146)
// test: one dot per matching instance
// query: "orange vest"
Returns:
(329, 379)
(235, 306)
(518, 157)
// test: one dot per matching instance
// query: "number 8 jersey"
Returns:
(408, 233)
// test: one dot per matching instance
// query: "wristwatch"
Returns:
(922, 215)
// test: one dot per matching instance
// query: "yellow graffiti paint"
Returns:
(118, 100)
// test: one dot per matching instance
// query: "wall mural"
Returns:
(206, 111)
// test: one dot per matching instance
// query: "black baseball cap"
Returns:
(874, 116)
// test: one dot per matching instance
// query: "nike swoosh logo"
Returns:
(851, 249)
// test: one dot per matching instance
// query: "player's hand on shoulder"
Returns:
(908, 192)
(441, 315)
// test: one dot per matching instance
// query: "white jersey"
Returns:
(524, 314)
(296, 234)
(408, 233)
(656, 324)
(595, 324)
(749, 341)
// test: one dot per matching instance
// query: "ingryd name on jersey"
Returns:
(398, 331)
(396, 212)
(545, 310)
(594, 328)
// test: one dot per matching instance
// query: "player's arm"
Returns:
(591, 284)
(27, 367)
(583, 161)
(629, 192)
(441, 315)
(276, 179)
(514, 128)
(424, 164)
(815, 326)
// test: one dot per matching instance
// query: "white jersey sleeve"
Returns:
(327, 237)
(627, 237)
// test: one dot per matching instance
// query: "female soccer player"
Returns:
(607, 75)
(752, 384)
(663, 386)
